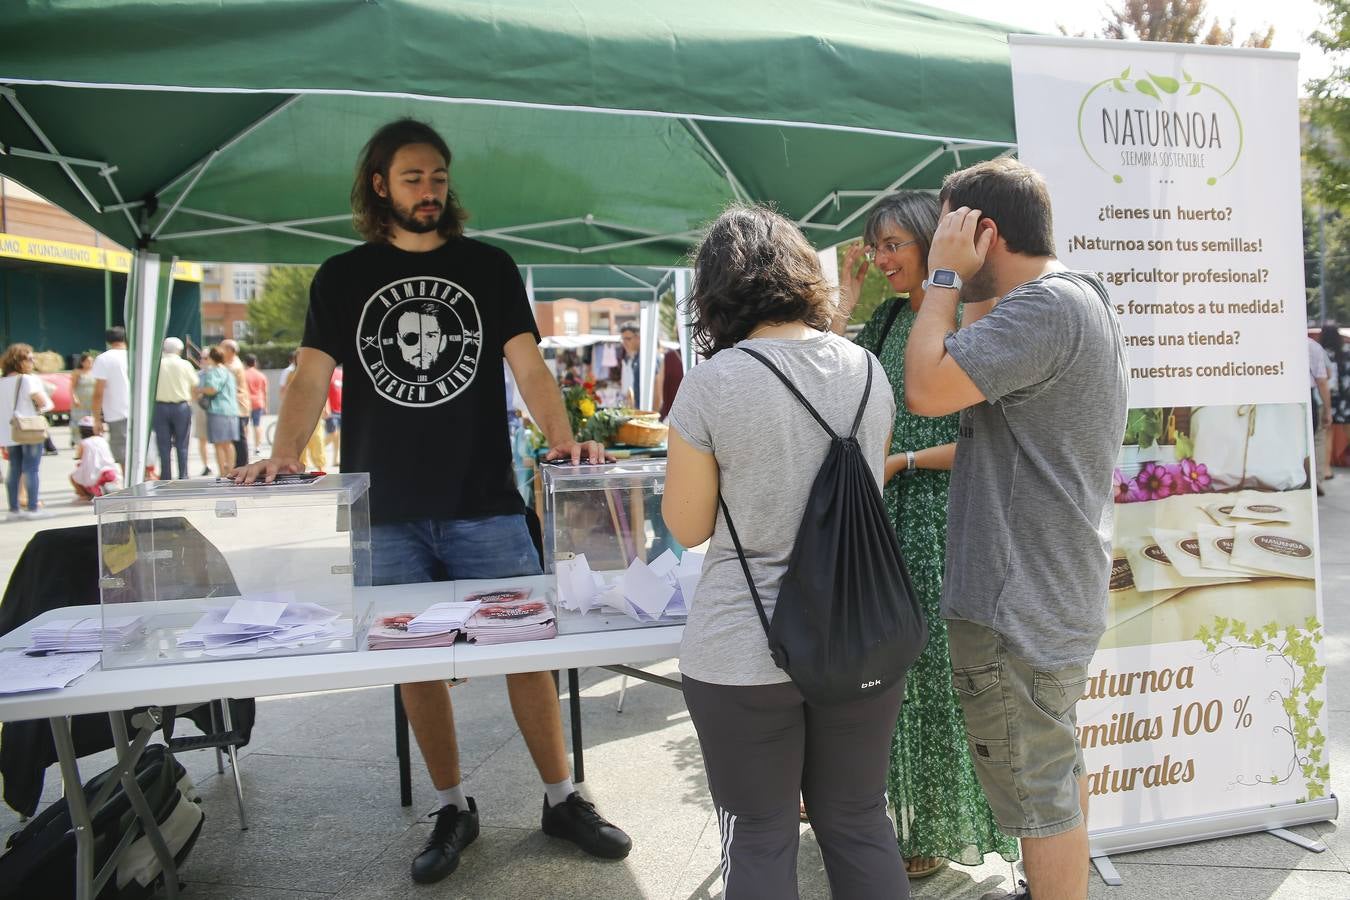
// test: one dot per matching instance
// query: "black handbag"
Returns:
(847, 624)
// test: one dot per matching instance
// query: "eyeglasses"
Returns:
(890, 247)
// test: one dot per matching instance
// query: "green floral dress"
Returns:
(939, 805)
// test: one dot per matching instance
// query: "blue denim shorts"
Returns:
(422, 550)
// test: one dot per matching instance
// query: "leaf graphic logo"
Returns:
(1136, 127)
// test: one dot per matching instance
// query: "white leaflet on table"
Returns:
(645, 589)
(20, 674)
(664, 564)
(440, 616)
(249, 611)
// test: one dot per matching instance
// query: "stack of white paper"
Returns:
(257, 624)
(438, 626)
(84, 635)
(659, 591)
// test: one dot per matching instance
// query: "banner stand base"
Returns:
(1107, 870)
(1309, 844)
(1274, 820)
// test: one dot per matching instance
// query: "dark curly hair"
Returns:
(370, 211)
(754, 267)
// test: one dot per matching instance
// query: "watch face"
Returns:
(944, 277)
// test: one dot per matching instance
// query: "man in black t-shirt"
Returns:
(421, 317)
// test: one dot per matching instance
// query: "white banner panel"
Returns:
(1174, 175)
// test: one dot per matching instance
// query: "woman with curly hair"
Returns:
(738, 433)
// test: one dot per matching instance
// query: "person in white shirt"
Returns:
(22, 394)
(112, 393)
(96, 472)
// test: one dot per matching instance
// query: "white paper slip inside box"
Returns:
(84, 635)
(22, 674)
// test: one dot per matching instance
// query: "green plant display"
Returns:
(1297, 649)
(1144, 426)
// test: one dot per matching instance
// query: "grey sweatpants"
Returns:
(762, 745)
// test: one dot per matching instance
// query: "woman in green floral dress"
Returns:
(939, 807)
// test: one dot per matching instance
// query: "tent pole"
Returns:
(649, 322)
(684, 317)
(143, 324)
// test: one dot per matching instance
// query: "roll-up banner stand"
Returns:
(1174, 175)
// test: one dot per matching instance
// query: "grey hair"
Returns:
(915, 211)
(173, 345)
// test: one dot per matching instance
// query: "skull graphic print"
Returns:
(419, 340)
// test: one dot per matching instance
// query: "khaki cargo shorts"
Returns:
(1021, 725)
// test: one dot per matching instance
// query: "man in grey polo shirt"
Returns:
(1041, 384)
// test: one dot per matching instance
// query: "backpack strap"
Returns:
(745, 564)
(862, 407)
(792, 387)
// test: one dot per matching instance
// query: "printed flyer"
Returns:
(1174, 175)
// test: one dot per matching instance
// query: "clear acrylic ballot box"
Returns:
(616, 564)
(198, 570)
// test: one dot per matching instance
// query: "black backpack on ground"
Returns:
(847, 624)
(39, 859)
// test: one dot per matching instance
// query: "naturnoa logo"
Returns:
(1132, 127)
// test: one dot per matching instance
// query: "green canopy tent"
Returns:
(599, 131)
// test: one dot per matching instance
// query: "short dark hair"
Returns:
(370, 211)
(1013, 195)
(250, 360)
(754, 266)
(629, 328)
(116, 335)
(216, 356)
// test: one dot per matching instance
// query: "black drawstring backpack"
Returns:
(847, 624)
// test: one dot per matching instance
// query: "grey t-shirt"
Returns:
(768, 451)
(1030, 509)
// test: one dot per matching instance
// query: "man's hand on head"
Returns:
(959, 243)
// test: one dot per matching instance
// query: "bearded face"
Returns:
(420, 339)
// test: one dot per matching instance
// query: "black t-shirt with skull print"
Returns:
(423, 409)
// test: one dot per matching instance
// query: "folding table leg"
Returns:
(574, 713)
(401, 750)
(215, 729)
(73, 787)
(126, 763)
(233, 752)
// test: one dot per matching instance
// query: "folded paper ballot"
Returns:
(84, 635)
(254, 625)
(660, 591)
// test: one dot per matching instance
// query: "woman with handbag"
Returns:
(23, 428)
(939, 806)
(739, 434)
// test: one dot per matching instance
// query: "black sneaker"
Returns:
(1021, 892)
(576, 820)
(454, 831)
(206, 471)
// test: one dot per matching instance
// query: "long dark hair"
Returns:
(754, 267)
(370, 211)
(1334, 343)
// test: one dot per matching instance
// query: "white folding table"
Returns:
(117, 690)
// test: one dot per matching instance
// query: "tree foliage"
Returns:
(278, 313)
(1328, 111)
(1176, 21)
